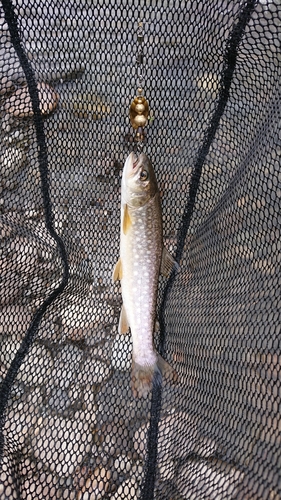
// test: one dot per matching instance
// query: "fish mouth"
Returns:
(135, 161)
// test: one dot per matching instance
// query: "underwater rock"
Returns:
(140, 440)
(167, 470)
(129, 489)
(37, 366)
(184, 439)
(67, 71)
(16, 137)
(23, 414)
(82, 319)
(121, 354)
(209, 82)
(91, 484)
(12, 160)
(85, 104)
(11, 184)
(123, 464)
(93, 371)
(35, 480)
(58, 400)
(215, 481)
(178, 437)
(66, 440)
(5, 229)
(89, 397)
(6, 86)
(24, 253)
(9, 344)
(19, 103)
(12, 284)
(16, 318)
(7, 484)
(67, 363)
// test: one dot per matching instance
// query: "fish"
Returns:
(142, 258)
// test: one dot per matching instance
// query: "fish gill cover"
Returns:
(70, 425)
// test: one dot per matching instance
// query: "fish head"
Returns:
(138, 181)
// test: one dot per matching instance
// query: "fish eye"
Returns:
(143, 175)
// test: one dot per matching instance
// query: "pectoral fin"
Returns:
(117, 271)
(168, 263)
(123, 326)
(127, 221)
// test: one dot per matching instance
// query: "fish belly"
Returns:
(141, 250)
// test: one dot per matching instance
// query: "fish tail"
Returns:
(142, 376)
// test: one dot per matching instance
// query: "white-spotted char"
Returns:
(142, 257)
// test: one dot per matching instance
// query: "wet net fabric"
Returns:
(70, 426)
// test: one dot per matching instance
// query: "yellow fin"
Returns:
(168, 263)
(127, 221)
(123, 326)
(117, 271)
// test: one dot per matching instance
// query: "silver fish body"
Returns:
(142, 256)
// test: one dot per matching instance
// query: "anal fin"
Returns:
(123, 326)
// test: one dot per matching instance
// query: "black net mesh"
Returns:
(70, 426)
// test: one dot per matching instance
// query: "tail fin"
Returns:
(142, 376)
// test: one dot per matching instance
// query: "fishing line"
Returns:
(139, 109)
